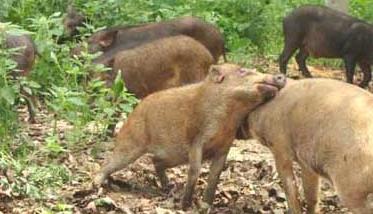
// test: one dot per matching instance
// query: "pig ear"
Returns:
(246, 71)
(110, 62)
(108, 38)
(71, 10)
(216, 74)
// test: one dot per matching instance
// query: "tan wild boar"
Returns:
(190, 124)
(162, 64)
(165, 63)
(326, 126)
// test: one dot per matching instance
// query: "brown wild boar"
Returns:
(319, 31)
(25, 56)
(190, 124)
(328, 133)
(25, 59)
(72, 20)
(114, 39)
(162, 64)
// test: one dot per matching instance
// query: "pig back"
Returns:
(314, 103)
(204, 32)
(317, 120)
(25, 56)
(163, 64)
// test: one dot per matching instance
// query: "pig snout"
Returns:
(271, 85)
(278, 80)
(77, 51)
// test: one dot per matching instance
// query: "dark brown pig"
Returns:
(162, 64)
(319, 31)
(190, 124)
(72, 20)
(115, 39)
(24, 57)
(328, 133)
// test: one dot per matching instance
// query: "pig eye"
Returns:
(250, 71)
(244, 72)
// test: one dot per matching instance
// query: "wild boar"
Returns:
(165, 63)
(190, 124)
(114, 39)
(319, 31)
(162, 64)
(25, 58)
(72, 20)
(328, 133)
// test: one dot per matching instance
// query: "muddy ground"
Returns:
(249, 183)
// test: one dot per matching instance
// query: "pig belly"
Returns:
(171, 155)
(308, 156)
(317, 45)
(320, 51)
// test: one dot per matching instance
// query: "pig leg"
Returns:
(350, 65)
(120, 159)
(365, 68)
(30, 109)
(301, 60)
(160, 169)
(110, 131)
(195, 161)
(284, 167)
(289, 50)
(30, 103)
(216, 168)
(356, 201)
(224, 55)
(354, 191)
(311, 189)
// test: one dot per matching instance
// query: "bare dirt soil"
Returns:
(249, 184)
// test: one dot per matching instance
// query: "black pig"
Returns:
(319, 31)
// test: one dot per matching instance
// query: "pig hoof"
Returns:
(167, 188)
(99, 181)
(32, 120)
(307, 75)
(204, 207)
(185, 204)
(361, 85)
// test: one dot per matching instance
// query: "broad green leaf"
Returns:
(76, 101)
(8, 94)
(118, 85)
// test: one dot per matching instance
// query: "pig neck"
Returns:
(263, 118)
(267, 115)
(217, 105)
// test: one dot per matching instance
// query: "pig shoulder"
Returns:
(359, 37)
(167, 50)
(313, 103)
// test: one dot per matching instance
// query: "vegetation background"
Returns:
(252, 29)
